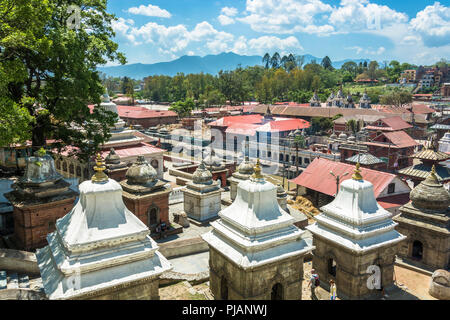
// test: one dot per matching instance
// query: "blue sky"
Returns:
(150, 31)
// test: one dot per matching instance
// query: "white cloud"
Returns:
(265, 44)
(174, 40)
(285, 16)
(150, 11)
(433, 24)
(225, 20)
(367, 51)
(363, 16)
(122, 27)
(230, 12)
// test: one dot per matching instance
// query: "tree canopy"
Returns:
(51, 72)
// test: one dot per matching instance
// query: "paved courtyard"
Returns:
(191, 264)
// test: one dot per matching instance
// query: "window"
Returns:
(155, 163)
(307, 161)
(391, 188)
(269, 154)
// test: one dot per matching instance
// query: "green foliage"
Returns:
(397, 98)
(54, 68)
(321, 125)
(183, 108)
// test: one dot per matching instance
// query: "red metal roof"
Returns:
(246, 129)
(228, 121)
(284, 125)
(394, 201)
(421, 109)
(392, 124)
(400, 139)
(317, 176)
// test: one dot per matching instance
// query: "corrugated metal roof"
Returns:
(422, 171)
(317, 176)
(441, 127)
(284, 125)
(228, 121)
(400, 139)
(394, 201)
(428, 154)
(247, 129)
(365, 159)
(396, 123)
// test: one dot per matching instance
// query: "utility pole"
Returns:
(338, 180)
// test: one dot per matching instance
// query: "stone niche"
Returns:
(351, 234)
(39, 198)
(202, 196)
(256, 253)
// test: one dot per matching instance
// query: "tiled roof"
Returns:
(317, 176)
(422, 171)
(365, 159)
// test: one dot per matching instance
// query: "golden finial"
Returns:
(257, 174)
(433, 176)
(357, 175)
(99, 175)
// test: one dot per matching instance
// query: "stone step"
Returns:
(3, 280)
(13, 281)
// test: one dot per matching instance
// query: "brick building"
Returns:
(39, 198)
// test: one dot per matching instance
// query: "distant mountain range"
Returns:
(211, 64)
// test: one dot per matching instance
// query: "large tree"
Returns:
(54, 56)
(327, 64)
(397, 98)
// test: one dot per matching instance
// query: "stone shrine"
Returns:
(115, 168)
(352, 234)
(202, 196)
(39, 198)
(256, 253)
(426, 223)
(101, 250)
(244, 172)
(145, 195)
